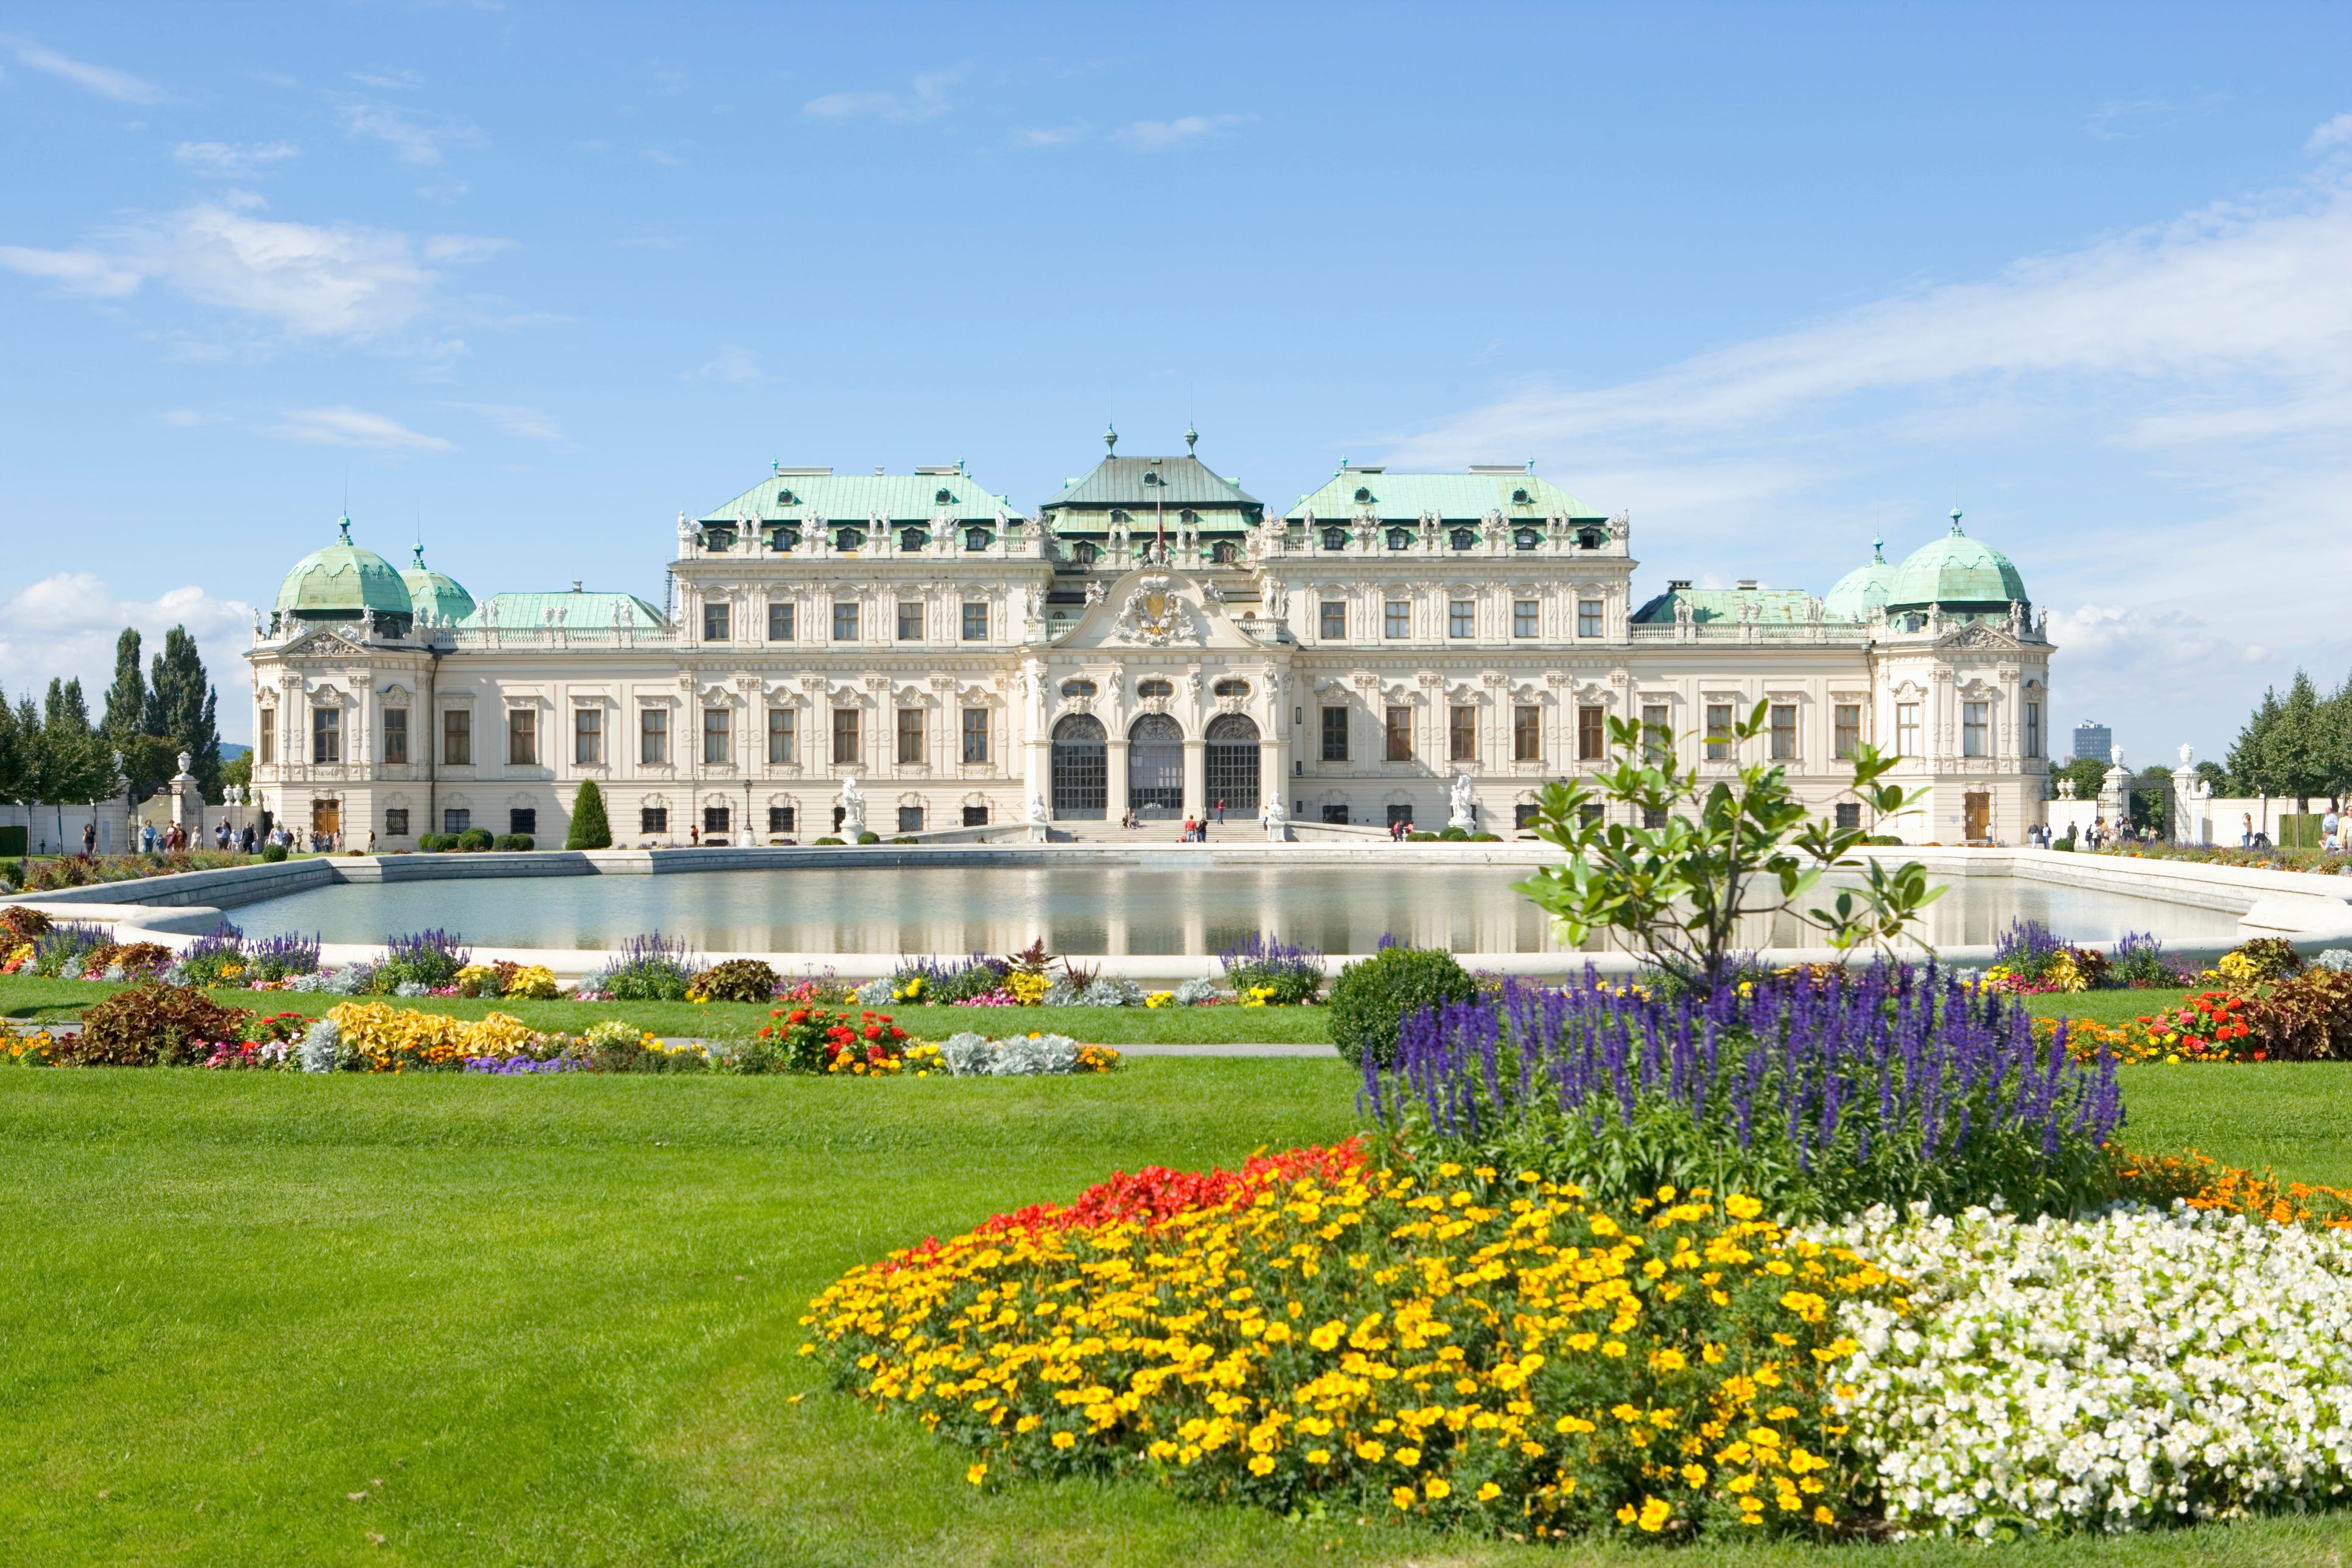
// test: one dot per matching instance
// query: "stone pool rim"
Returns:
(2307, 909)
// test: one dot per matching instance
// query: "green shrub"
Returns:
(1421, 837)
(512, 841)
(2264, 958)
(1373, 997)
(273, 853)
(589, 829)
(154, 1024)
(828, 838)
(903, 838)
(1484, 837)
(1453, 834)
(869, 836)
(737, 980)
(474, 839)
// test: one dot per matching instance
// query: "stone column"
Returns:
(2188, 793)
(2112, 789)
(1196, 777)
(1274, 771)
(187, 800)
(1115, 779)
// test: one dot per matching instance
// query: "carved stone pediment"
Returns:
(321, 642)
(1978, 636)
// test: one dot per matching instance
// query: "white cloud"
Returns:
(1049, 136)
(64, 626)
(928, 100)
(77, 271)
(412, 141)
(232, 160)
(666, 160)
(336, 280)
(181, 418)
(104, 80)
(1158, 135)
(346, 427)
(516, 419)
(733, 363)
(2337, 132)
(391, 80)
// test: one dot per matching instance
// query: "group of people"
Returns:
(1195, 829)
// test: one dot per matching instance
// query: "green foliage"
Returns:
(474, 840)
(154, 1025)
(183, 707)
(737, 980)
(1452, 835)
(1729, 849)
(512, 841)
(869, 836)
(273, 853)
(2089, 774)
(1421, 837)
(904, 838)
(829, 838)
(1373, 997)
(589, 829)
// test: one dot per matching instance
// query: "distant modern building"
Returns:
(1151, 638)
(2093, 741)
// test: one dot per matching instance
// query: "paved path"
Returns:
(1331, 1052)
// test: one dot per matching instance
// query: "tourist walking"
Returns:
(90, 838)
(1221, 810)
(2246, 839)
(2328, 826)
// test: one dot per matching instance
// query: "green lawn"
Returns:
(262, 1318)
(2107, 1006)
(35, 1000)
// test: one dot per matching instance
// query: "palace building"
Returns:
(1429, 647)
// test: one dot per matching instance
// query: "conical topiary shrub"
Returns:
(589, 829)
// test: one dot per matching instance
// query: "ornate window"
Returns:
(1848, 729)
(850, 539)
(844, 622)
(786, 498)
(1155, 687)
(714, 620)
(1400, 538)
(1118, 517)
(1462, 731)
(1333, 622)
(395, 734)
(1591, 735)
(1363, 496)
(910, 735)
(1079, 687)
(326, 735)
(1396, 619)
(975, 622)
(587, 736)
(1081, 768)
(779, 620)
(653, 819)
(1231, 687)
(786, 539)
(1400, 734)
(1463, 538)
(913, 538)
(975, 735)
(1588, 617)
(653, 735)
(715, 736)
(1084, 553)
(1461, 618)
(1155, 765)
(1526, 618)
(1334, 539)
(845, 738)
(911, 623)
(1718, 731)
(943, 499)
(977, 538)
(1519, 497)
(1188, 517)
(1229, 767)
(1784, 732)
(1221, 552)
(1527, 734)
(1976, 729)
(1527, 539)
(1908, 730)
(1591, 539)
(780, 736)
(1335, 735)
(457, 737)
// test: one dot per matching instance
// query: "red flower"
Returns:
(873, 1031)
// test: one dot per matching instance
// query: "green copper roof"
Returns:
(1179, 482)
(342, 581)
(1776, 604)
(1955, 570)
(1452, 498)
(435, 595)
(1861, 594)
(845, 498)
(581, 612)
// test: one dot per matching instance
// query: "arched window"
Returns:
(1118, 517)
(1156, 686)
(1231, 687)
(1519, 497)
(943, 499)
(1081, 768)
(1334, 539)
(1230, 765)
(1463, 538)
(786, 498)
(1155, 766)
(1363, 496)
(1083, 554)
(850, 539)
(1151, 476)
(1221, 552)
(1527, 539)
(913, 538)
(1590, 538)
(977, 538)
(1400, 538)
(1188, 517)
(788, 539)
(1079, 687)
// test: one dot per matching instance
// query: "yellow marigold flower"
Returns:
(1696, 1475)
(1402, 1497)
(1740, 1205)
(1823, 1516)
(977, 1474)
(1027, 1423)
(1319, 1456)
(1669, 1361)
(1614, 1348)
(1436, 1489)
(1370, 1451)
(1654, 1514)
(1277, 1334)
(1327, 1336)
(1408, 1457)
(1064, 1439)
(1489, 1493)
(1626, 1515)
(1261, 1465)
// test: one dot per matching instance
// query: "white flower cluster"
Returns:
(968, 1055)
(2138, 1367)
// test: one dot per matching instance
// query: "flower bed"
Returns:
(1486, 1351)
(971, 1055)
(2143, 1367)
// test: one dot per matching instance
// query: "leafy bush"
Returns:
(589, 829)
(18, 924)
(828, 838)
(904, 838)
(943, 983)
(1374, 995)
(1292, 971)
(273, 853)
(1419, 836)
(815, 1039)
(512, 841)
(131, 961)
(650, 969)
(2304, 1018)
(869, 836)
(615, 1047)
(2139, 960)
(153, 1025)
(433, 843)
(1821, 1097)
(216, 956)
(737, 980)
(1486, 1352)
(2264, 958)
(428, 958)
(1451, 835)
(66, 950)
(1483, 836)
(474, 839)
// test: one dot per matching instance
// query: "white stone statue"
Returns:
(1039, 812)
(852, 809)
(2188, 757)
(259, 632)
(1094, 592)
(184, 759)
(1213, 591)
(685, 535)
(1465, 815)
(2017, 619)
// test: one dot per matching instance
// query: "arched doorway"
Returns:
(1081, 770)
(1233, 763)
(1155, 766)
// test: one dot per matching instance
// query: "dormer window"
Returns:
(1083, 554)
(786, 498)
(1527, 539)
(1334, 539)
(785, 539)
(1151, 476)
(1591, 539)
(1363, 494)
(976, 539)
(1188, 517)
(1400, 538)
(944, 498)
(1221, 552)
(1463, 538)
(1519, 497)
(850, 539)
(912, 539)
(1118, 517)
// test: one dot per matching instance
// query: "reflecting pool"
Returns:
(1132, 909)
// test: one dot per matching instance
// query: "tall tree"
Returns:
(14, 756)
(183, 707)
(2248, 763)
(146, 756)
(2295, 752)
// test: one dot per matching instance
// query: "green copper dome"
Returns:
(1861, 593)
(1956, 572)
(436, 595)
(339, 581)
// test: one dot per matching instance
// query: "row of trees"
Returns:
(2299, 745)
(55, 753)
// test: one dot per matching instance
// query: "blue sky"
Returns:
(1770, 278)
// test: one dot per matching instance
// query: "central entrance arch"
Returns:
(1081, 768)
(1155, 766)
(1232, 762)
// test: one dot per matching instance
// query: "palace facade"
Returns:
(1149, 639)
